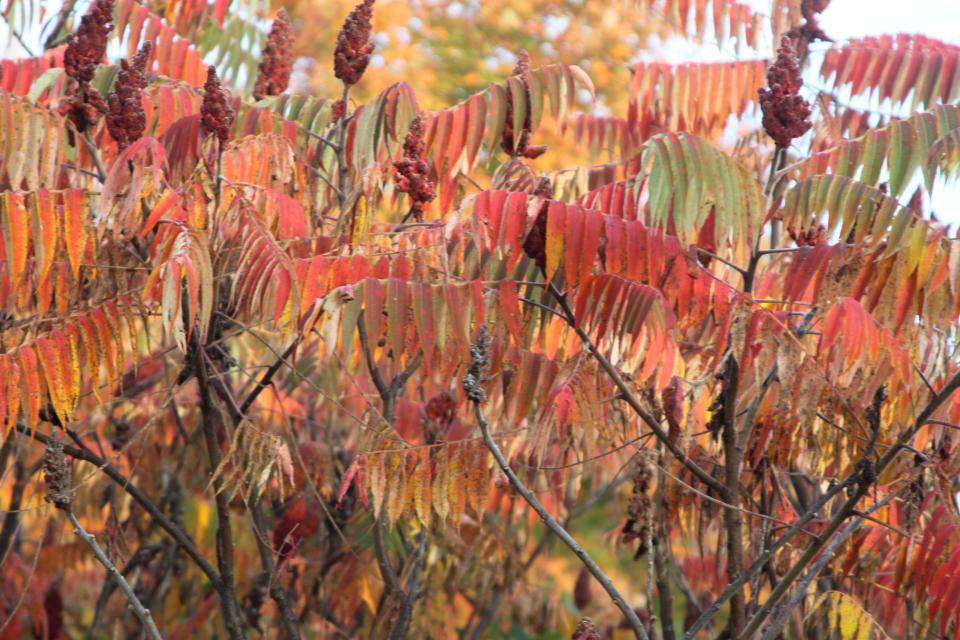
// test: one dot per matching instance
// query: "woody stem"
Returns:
(635, 624)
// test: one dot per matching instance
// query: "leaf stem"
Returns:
(95, 155)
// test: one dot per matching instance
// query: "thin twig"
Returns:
(710, 254)
(11, 521)
(387, 571)
(267, 376)
(135, 605)
(389, 391)
(16, 34)
(228, 593)
(732, 519)
(660, 550)
(141, 557)
(412, 592)
(558, 529)
(783, 613)
(65, 10)
(277, 592)
(627, 393)
(849, 507)
(770, 252)
(139, 497)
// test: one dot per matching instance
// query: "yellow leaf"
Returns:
(422, 488)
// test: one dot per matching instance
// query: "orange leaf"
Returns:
(16, 227)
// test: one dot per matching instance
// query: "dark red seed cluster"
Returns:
(353, 50)
(277, 62)
(126, 119)
(786, 115)
(86, 47)
(84, 107)
(441, 408)
(440, 411)
(216, 116)
(523, 147)
(535, 244)
(85, 50)
(412, 172)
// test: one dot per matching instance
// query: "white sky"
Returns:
(935, 18)
(850, 18)
(846, 19)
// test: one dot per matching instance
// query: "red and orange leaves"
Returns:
(299, 519)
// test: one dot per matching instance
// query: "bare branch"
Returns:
(139, 497)
(475, 393)
(135, 605)
(208, 412)
(627, 394)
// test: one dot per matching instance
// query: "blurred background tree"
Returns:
(450, 50)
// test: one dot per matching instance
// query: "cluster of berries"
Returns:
(786, 114)
(412, 172)
(85, 50)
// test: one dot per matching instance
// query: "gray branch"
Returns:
(783, 612)
(135, 605)
(558, 529)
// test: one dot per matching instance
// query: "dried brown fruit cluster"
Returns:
(126, 119)
(523, 148)
(216, 116)
(639, 525)
(412, 173)
(535, 244)
(85, 50)
(277, 62)
(352, 54)
(479, 363)
(786, 114)
(671, 400)
(56, 472)
(718, 407)
(586, 631)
